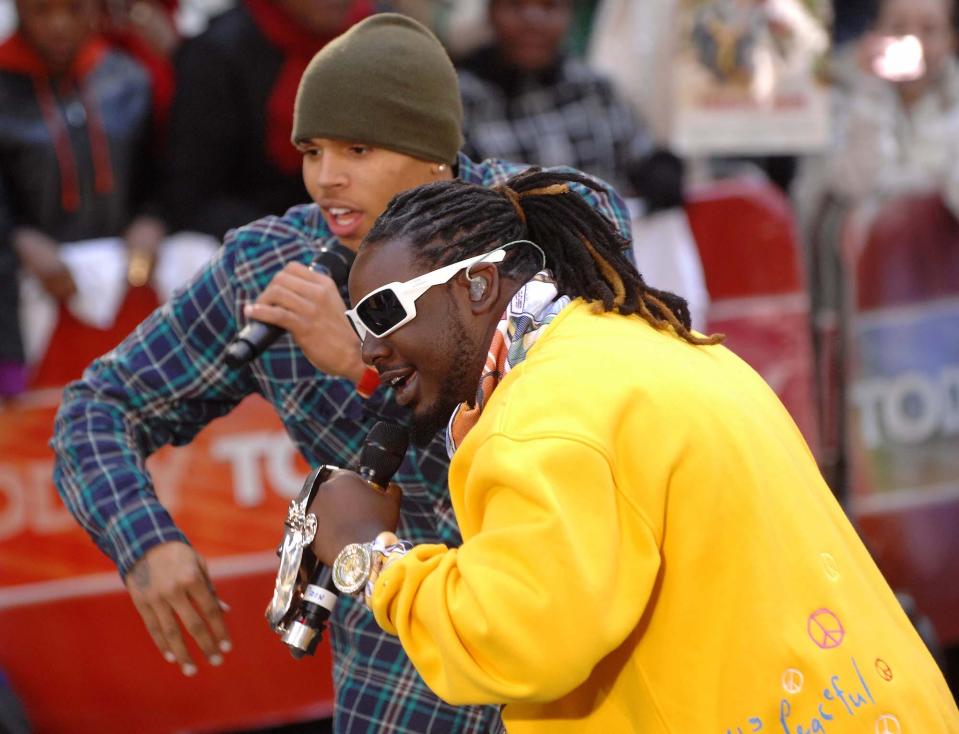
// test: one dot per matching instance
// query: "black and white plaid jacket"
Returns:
(567, 115)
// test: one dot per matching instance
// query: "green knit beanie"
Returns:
(386, 82)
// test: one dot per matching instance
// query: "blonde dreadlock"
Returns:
(451, 220)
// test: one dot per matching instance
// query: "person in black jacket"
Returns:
(75, 155)
(526, 99)
(229, 155)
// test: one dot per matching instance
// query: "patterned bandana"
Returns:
(530, 311)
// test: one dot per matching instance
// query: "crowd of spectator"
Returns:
(206, 146)
(135, 133)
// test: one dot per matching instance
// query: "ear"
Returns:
(482, 287)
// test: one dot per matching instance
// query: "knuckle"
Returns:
(153, 597)
(208, 605)
(169, 629)
(165, 594)
(189, 576)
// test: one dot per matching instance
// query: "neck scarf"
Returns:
(532, 308)
(18, 55)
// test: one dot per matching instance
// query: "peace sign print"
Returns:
(882, 667)
(792, 681)
(830, 566)
(825, 629)
(888, 724)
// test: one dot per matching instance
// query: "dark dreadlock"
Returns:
(452, 220)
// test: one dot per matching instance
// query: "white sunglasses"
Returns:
(383, 311)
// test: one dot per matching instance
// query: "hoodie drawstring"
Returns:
(66, 160)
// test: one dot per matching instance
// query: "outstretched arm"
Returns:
(160, 386)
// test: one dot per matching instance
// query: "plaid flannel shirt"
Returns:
(569, 115)
(167, 380)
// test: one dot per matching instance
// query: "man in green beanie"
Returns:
(377, 113)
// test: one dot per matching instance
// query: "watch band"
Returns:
(386, 549)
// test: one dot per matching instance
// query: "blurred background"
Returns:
(792, 169)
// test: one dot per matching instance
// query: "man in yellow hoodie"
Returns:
(648, 544)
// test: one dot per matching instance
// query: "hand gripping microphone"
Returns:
(256, 336)
(304, 596)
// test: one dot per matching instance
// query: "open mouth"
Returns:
(342, 220)
(404, 385)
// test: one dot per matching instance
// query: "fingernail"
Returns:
(216, 660)
(189, 670)
(225, 646)
(169, 657)
(248, 309)
(224, 606)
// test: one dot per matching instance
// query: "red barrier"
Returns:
(73, 344)
(910, 254)
(902, 387)
(745, 233)
(73, 645)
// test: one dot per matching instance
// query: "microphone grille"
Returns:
(335, 263)
(383, 451)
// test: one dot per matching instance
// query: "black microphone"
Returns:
(256, 336)
(381, 455)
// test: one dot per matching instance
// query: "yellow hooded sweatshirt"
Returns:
(649, 547)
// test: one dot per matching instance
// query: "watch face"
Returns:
(351, 568)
